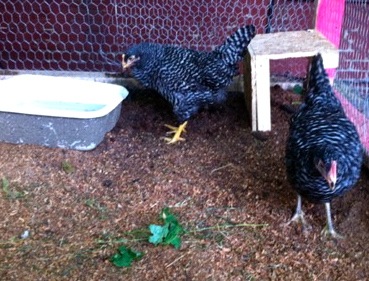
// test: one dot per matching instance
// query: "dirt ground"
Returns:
(227, 187)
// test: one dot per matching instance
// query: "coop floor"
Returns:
(77, 205)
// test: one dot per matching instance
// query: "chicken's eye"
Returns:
(131, 58)
(321, 165)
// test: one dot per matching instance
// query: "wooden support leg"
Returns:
(261, 93)
(257, 91)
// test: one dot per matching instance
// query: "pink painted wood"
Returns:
(328, 20)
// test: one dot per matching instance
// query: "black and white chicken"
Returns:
(188, 79)
(323, 153)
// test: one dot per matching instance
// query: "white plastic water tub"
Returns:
(58, 111)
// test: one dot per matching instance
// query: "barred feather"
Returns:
(321, 130)
(186, 78)
(236, 45)
(317, 74)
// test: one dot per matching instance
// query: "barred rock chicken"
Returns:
(188, 79)
(323, 153)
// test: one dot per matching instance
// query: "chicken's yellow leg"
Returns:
(177, 131)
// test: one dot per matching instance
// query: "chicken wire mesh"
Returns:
(91, 35)
(352, 77)
(353, 71)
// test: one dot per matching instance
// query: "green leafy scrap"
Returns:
(158, 233)
(11, 193)
(125, 256)
(67, 167)
(168, 234)
(5, 185)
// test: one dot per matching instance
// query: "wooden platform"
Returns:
(274, 46)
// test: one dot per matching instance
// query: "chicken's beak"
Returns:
(329, 175)
(130, 61)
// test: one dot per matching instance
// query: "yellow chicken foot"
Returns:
(177, 131)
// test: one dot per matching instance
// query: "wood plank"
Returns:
(294, 44)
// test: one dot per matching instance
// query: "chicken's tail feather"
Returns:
(319, 89)
(317, 75)
(235, 45)
(242, 37)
